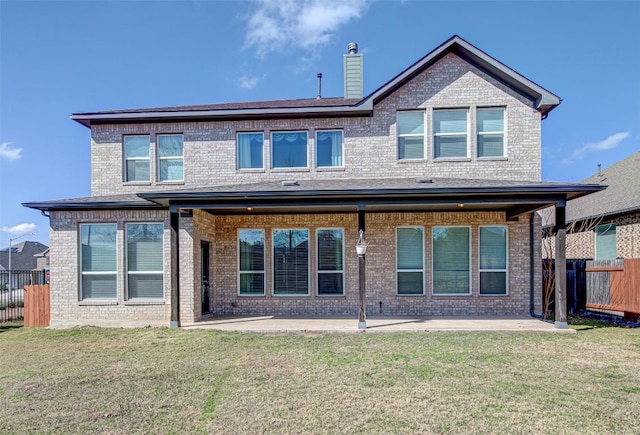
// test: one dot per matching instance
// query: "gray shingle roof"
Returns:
(622, 194)
(22, 255)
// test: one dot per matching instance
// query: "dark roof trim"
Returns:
(545, 101)
(96, 205)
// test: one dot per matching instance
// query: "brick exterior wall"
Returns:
(369, 142)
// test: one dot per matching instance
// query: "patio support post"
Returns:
(561, 267)
(362, 317)
(175, 269)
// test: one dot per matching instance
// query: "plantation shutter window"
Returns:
(451, 271)
(291, 262)
(251, 262)
(145, 265)
(330, 261)
(98, 261)
(410, 260)
(493, 260)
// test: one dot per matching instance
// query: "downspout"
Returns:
(532, 263)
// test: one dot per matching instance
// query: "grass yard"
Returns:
(202, 381)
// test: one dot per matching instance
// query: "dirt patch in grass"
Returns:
(201, 381)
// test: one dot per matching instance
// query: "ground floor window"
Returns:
(493, 260)
(145, 264)
(291, 262)
(330, 261)
(98, 261)
(410, 260)
(451, 261)
(251, 262)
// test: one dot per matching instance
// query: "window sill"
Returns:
(497, 159)
(492, 296)
(261, 295)
(145, 302)
(332, 296)
(170, 182)
(290, 170)
(96, 302)
(251, 170)
(451, 159)
(136, 183)
(291, 296)
(452, 295)
(330, 169)
(416, 295)
(411, 160)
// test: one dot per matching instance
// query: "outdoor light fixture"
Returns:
(361, 245)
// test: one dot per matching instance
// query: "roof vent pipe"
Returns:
(599, 169)
(352, 48)
(319, 86)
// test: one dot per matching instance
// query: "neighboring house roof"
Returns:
(543, 100)
(305, 196)
(22, 255)
(622, 195)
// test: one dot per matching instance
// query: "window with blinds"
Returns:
(451, 261)
(145, 265)
(490, 126)
(410, 260)
(98, 261)
(251, 263)
(330, 243)
(450, 133)
(136, 158)
(410, 127)
(170, 157)
(493, 260)
(291, 262)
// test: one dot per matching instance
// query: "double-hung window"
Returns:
(410, 260)
(98, 262)
(606, 242)
(145, 265)
(170, 157)
(250, 150)
(289, 149)
(490, 123)
(410, 126)
(451, 261)
(251, 262)
(329, 148)
(493, 260)
(450, 133)
(291, 262)
(330, 261)
(136, 158)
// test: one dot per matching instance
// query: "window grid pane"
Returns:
(330, 244)
(98, 262)
(145, 260)
(136, 154)
(170, 155)
(490, 125)
(450, 133)
(410, 260)
(251, 262)
(493, 260)
(410, 127)
(451, 274)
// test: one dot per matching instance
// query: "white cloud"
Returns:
(247, 82)
(278, 24)
(606, 144)
(19, 229)
(8, 152)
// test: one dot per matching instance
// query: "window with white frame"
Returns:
(451, 257)
(330, 244)
(410, 260)
(98, 262)
(606, 242)
(289, 149)
(136, 158)
(145, 260)
(170, 157)
(410, 126)
(490, 126)
(251, 263)
(250, 150)
(493, 260)
(291, 262)
(450, 133)
(329, 148)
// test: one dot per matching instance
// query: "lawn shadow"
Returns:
(8, 326)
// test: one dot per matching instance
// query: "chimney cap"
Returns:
(352, 48)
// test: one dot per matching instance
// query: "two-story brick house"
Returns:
(256, 208)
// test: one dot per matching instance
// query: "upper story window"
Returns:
(250, 150)
(490, 124)
(98, 261)
(329, 148)
(606, 242)
(289, 149)
(170, 157)
(136, 158)
(450, 133)
(410, 127)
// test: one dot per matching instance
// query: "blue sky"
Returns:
(63, 57)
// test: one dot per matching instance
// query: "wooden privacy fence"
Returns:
(614, 285)
(36, 306)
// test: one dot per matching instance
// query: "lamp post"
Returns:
(11, 240)
(361, 250)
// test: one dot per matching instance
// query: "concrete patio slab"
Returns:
(272, 324)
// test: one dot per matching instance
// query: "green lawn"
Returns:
(200, 381)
